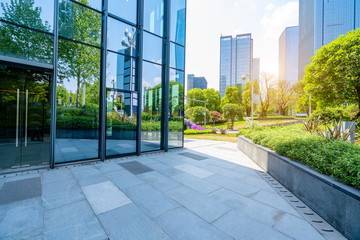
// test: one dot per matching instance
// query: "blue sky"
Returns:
(208, 19)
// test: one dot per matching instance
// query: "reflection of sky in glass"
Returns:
(152, 48)
(178, 22)
(177, 56)
(116, 32)
(47, 11)
(125, 9)
(154, 16)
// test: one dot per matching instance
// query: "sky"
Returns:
(207, 20)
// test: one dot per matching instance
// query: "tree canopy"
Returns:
(213, 99)
(231, 96)
(246, 96)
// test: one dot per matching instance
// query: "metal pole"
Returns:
(309, 104)
(205, 116)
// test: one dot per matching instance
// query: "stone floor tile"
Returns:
(195, 183)
(56, 175)
(240, 226)
(164, 169)
(128, 222)
(159, 181)
(124, 179)
(72, 221)
(88, 175)
(197, 172)
(108, 166)
(104, 197)
(135, 167)
(20, 190)
(205, 207)
(22, 219)
(150, 200)
(181, 224)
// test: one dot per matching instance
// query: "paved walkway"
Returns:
(209, 190)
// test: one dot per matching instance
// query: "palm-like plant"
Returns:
(335, 132)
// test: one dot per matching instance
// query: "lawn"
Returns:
(229, 137)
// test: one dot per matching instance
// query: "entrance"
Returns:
(24, 116)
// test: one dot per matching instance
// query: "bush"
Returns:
(338, 159)
(330, 115)
(76, 122)
(193, 131)
(232, 111)
(198, 115)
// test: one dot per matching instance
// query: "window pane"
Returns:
(152, 48)
(38, 14)
(177, 56)
(125, 9)
(77, 111)
(91, 3)
(79, 23)
(178, 22)
(176, 109)
(151, 107)
(154, 16)
(118, 72)
(118, 39)
(25, 44)
(121, 122)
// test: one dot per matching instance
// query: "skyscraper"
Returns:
(289, 54)
(236, 55)
(196, 82)
(256, 69)
(320, 22)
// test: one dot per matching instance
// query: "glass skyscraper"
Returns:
(289, 54)
(196, 82)
(236, 55)
(322, 21)
(89, 79)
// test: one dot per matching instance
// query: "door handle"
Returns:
(17, 116)
(26, 115)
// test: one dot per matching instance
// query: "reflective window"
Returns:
(125, 9)
(79, 23)
(25, 44)
(151, 107)
(178, 21)
(154, 16)
(177, 56)
(121, 122)
(121, 37)
(77, 110)
(176, 109)
(38, 14)
(118, 72)
(96, 4)
(152, 48)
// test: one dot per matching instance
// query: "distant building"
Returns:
(236, 55)
(289, 54)
(256, 69)
(320, 22)
(196, 82)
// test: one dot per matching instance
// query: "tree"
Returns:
(232, 111)
(284, 96)
(213, 99)
(266, 92)
(198, 115)
(302, 99)
(231, 96)
(246, 96)
(214, 116)
(333, 76)
(195, 93)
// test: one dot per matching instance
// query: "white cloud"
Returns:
(270, 7)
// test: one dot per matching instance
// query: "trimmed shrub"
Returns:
(193, 131)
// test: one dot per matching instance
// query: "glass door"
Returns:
(24, 117)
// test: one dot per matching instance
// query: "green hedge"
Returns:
(338, 159)
(193, 132)
(76, 122)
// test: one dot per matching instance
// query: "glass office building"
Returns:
(89, 79)
(322, 21)
(236, 55)
(196, 82)
(289, 54)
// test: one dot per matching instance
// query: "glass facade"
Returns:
(101, 79)
(236, 55)
(289, 54)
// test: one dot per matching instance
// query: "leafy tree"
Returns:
(284, 96)
(246, 96)
(215, 116)
(198, 115)
(302, 99)
(213, 99)
(176, 94)
(231, 96)
(266, 92)
(232, 111)
(240, 88)
(195, 93)
(333, 76)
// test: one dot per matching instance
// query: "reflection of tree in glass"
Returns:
(78, 60)
(21, 42)
(176, 101)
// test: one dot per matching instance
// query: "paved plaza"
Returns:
(208, 190)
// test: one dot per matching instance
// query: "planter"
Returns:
(346, 125)
(337, 203)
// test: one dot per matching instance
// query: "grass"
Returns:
(229, 137)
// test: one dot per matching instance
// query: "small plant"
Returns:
(255, 126)
(223, 131)
(312, 125)
(214, 130)
(335, 132)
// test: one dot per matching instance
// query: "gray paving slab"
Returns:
(22, 219)
(150, 200)
(108, 166)
(128, 222)
(105, 196)
(205, 207)
(72, 221)
(240, 226)
(56, 175)
(195, 183)
(193, 156)
(20, 190)
(164, 169)
(135, 167)
(87, 175)
(159, 181)
(182, 224)
(197, 172)
(124, 179)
